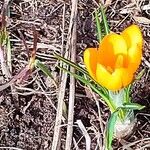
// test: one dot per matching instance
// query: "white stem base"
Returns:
(123, 129)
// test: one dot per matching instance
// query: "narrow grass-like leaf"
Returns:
(80, 69)
(45, 70)
(80, 78)
(98, 25)
(104, 19)
(70, 63)
(9, 54)
(88, 83)
(132, 106)
(127, 90)
(3, 37)
(99, 87)
(113, 118)
(138, 77)
(24, 42)
(110, 129)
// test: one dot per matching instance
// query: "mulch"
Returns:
(27, 117)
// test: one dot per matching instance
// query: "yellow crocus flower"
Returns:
(114, 63)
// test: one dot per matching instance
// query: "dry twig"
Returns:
(85, 133)
(72, 80)
(56, 136)
(57, 132)
(11, 148)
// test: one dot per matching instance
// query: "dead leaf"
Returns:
(143, 20)
(108, 2)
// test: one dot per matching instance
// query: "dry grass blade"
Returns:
(56, 136)
(76, 144)
(72, 80)
(108, 2)
(85, 133)
(24, 42)
(6, 85)
(3, 14)
(100, 118)
(143, 20)
(145, 146)
(34, 42)
(134, 143)
(11, 148)
(61, 94)
(3, 43)
(146, 62)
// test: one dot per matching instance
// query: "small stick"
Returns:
(146, 62)
(72, 80)
(61, 94)
(85, 134)
(133, 143)
(11, 148)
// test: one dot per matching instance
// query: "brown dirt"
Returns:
(27, 120)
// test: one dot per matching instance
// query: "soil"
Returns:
(27, 116)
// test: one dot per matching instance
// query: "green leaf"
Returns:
(44, 68)
(93, 87)
(110, 129)
(104, 19)
(98, 89)
(127, 90)
(132, 106)
(80, 78)
(112, 121)
(80, 69)
(138, 77)
(70, 63)
(98, 25)
(3, 36)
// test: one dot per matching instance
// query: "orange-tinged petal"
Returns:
(118, 57)
(118, 79)
(105, 78)
(90, 61)
(119, 61)
(111, 46)
(133, 36)
(134, 58)
(126, 76)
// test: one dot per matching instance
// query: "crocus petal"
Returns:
(105, 78)
(126, 76)
(117, 58)
(111, 46)
(133, 36)
(119, 61)
(90, 61)
(134, 58)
